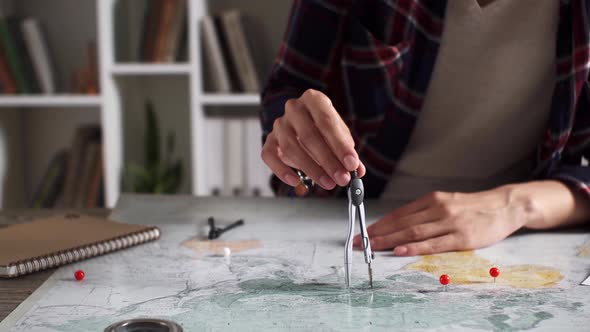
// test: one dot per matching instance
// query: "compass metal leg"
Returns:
(366, 243)
(348, 246)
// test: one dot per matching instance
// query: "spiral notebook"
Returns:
(51, 242)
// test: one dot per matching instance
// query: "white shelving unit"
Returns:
(50, 101)
(230, 99)
(199, 99)
(111, 101)
(112, 108)
(151, 69)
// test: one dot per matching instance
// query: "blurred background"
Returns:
(101, 97)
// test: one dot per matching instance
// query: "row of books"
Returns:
(25, 65)
(234, 166)
(228, 57)
(164, 31)
(74, 177)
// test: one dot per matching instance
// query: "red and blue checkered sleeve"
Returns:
(307, 56)
(571, 133)
(570, 169)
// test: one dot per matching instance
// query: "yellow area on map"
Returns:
(584, 250)
(215, 247)
(468, 268)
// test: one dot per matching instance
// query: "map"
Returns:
(288, 274)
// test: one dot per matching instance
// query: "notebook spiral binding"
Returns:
(73, 255)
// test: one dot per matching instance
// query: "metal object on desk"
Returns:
(215, 232)
(144, 325)
(356, 208)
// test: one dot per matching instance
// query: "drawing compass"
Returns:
(356, 208)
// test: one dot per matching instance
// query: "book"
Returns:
(6, 79)
(14, 26)
(164, 27)
(228, 59)
(93, 193)
(14, 60)
(172, 38)
(239, 50)
(83, 135)
(214, 163)
(214, 64)
(148, 30)
(234, 157)
(37, 47)
(87, 167)
(50, 242)
(51, 183)
(92, 86)
(182, 52)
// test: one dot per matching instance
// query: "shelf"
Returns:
(245, 99)
(151, 69)
(63, 100)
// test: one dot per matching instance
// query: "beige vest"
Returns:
(488, 100)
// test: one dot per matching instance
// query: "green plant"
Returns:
(158, 176)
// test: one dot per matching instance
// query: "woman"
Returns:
(476, 112)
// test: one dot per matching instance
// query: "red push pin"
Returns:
(444, 280)
(79, 275)
(494, 272)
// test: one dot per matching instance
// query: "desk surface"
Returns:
(285, 271)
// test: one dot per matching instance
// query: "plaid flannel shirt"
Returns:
(374, 59)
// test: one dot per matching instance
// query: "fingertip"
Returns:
(327, 183)
(374, 244)
(342, 178)
(351, 162)
(362, 170)
(291, 180)
(400, 251)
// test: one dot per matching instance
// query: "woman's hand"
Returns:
(312, 137)
(441, 222)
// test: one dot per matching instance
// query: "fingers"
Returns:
(410, 234)
(312, 136)
(449, 242)
(332, 128)
(314, 144)
(389, 226)
(300, 159)
(400, 218)
(430, 202)
(270, 155)
(427, 209)
(393, 225)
